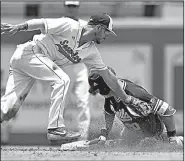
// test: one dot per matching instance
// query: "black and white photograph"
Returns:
(92, 80)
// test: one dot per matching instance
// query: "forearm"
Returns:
(30, 25)
(109, 120)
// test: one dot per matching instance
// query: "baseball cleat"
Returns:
(61, 134)
(179, 140)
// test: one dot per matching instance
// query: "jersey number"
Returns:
(65, 50)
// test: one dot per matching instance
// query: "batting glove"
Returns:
(103, 136)
(140, 107)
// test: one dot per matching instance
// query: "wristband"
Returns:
(171, 133)
(23, 27)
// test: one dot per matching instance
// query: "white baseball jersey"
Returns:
(60, 42)
(77, 103)
(82, 22)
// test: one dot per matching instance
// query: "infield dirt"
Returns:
(96, 152)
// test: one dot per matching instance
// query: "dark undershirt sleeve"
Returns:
(107, 106)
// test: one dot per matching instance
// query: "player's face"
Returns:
(101, 33)
(71, 11)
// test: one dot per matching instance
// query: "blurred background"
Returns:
(148, 50)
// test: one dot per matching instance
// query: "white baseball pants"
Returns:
(27, 64)
(78, 97)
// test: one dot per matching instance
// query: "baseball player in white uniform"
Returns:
(77, 99)
(62, 42)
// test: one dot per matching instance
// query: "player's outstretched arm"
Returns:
(109, 119)
(109, 116)
(29, 25)
(113, 82)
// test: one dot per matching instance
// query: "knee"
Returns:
(64, 79)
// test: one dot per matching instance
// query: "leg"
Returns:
(169, 122)
(159, 107)
(41, 67)
(17, 88)
(82, 102)
(30, 62)
(168, 119)
(79, 97)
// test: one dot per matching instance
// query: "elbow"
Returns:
(104, 73)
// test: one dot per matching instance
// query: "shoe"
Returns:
(61, 134)
(179, 140)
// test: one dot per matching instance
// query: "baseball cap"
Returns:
(72, 3)
(103, 19)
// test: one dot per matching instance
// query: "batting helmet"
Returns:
(96, 83)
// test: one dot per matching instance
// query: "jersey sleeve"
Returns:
(57, 26)
(82, 22)
(137, 91)
(93, 60)
(107, 106)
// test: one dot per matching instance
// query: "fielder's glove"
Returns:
(140, 107)
(179, 140)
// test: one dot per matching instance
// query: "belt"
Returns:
(31, 46)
